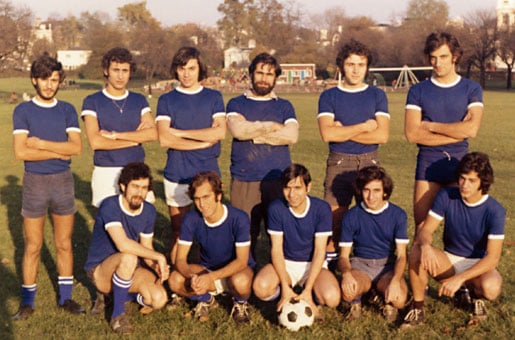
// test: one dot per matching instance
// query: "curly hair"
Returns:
(134, 171)
(44, 66)
(118, 55)
(372, 173)
(480, 163)
(353, 47)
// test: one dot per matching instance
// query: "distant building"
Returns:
(505, 14)
(43, 30)
(297, 73)
(236, 57)
(73, 58)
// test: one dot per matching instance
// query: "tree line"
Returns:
(279, 27)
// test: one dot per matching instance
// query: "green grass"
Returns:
(397, 156)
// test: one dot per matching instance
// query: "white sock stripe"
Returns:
(30, 287)
(275, 295)
(121, 282)
(65, 280)
(140, 300)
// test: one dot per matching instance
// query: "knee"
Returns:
(64, 246)
(128, 263)
(176, 281)
(242, 282)
(331, 298)
(159, 297)
(262, 288)
(491, 289)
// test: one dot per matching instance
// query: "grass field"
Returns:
(398, 157)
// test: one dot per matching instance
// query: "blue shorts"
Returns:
(373, 268)
(48, 192)
(437, 166)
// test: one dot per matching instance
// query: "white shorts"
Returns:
(299, 271)
(176, 194)
(221, 286)
(460, 263)
(104, 183)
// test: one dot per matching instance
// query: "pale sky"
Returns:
(170, 12)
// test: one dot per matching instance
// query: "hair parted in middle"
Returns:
(181, 58)
(372, 173)
(436, 40)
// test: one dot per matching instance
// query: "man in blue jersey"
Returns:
(263, 126)
(223, 235)
(441, 114)
(121, 259)
(376, 232)
(299, 226)
(353, 118)
(46, 134)
(191, 123)
(472, 237)
(117, 122)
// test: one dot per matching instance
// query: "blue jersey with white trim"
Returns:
(112, 214)
(120, 114)
(190, 111)
(468, 227)
(374, 234)
(351, 107)
(218, 241)
(445, 104)
(51, 122)
(257, 162)
(299, 231)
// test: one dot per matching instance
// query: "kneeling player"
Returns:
(376, 231)
(121, 257)
(299, 226)
(473, 238)
(223, 234)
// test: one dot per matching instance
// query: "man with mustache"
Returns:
(263, 126)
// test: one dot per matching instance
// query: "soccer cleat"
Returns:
(72, 307)
(462, 299)
(23, 313)
(175, 302)
(479, 313)
(121, 325)
(415, 317)
(201, 311)
(390, 313)
(240, 312)
(354, 312)
(99, 305)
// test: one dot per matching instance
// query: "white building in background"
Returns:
(74, 58)
(43, 30)
(505, 14)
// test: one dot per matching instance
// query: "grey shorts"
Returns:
(373, 268)
(341, 172)
(48, 192)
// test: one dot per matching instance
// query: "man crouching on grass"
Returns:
(121, 257)
(223, 235)
(473, 236)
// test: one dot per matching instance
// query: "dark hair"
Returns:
(293, 171)
(181, 58)
(478, 162)
(134, 171)
(266, 59)
(372, 173)
(353, 47)
(206, 176)
(44, 66)
(118, 55)
(437, 39)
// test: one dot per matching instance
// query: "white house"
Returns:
(74, 58)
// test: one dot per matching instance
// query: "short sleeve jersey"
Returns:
(120, 114)
(374, 234)
(351, 107)
(50, 122)
(468, 227)
(190, 111)
(445, 104)
(299, 231)
(218, 241)
(112, 214)
(257, 162)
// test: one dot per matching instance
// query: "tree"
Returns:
(478, 41)
(16, 28)
(235, 24)
(506, 52)
(427, 15)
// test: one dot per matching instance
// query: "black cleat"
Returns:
(23, 313)
(72, 307)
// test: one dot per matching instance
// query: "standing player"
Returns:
(262, 126)
(377, 232)
(473, 236)
(191, 123)
(441, 114)
(299, 226)
(223, 234)
(121, 258)
(46, 135)
(354, 119)
(117, 122)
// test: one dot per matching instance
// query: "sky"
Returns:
(204, 12)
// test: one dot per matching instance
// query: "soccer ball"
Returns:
(296, 314)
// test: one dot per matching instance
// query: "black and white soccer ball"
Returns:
(296, 314)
